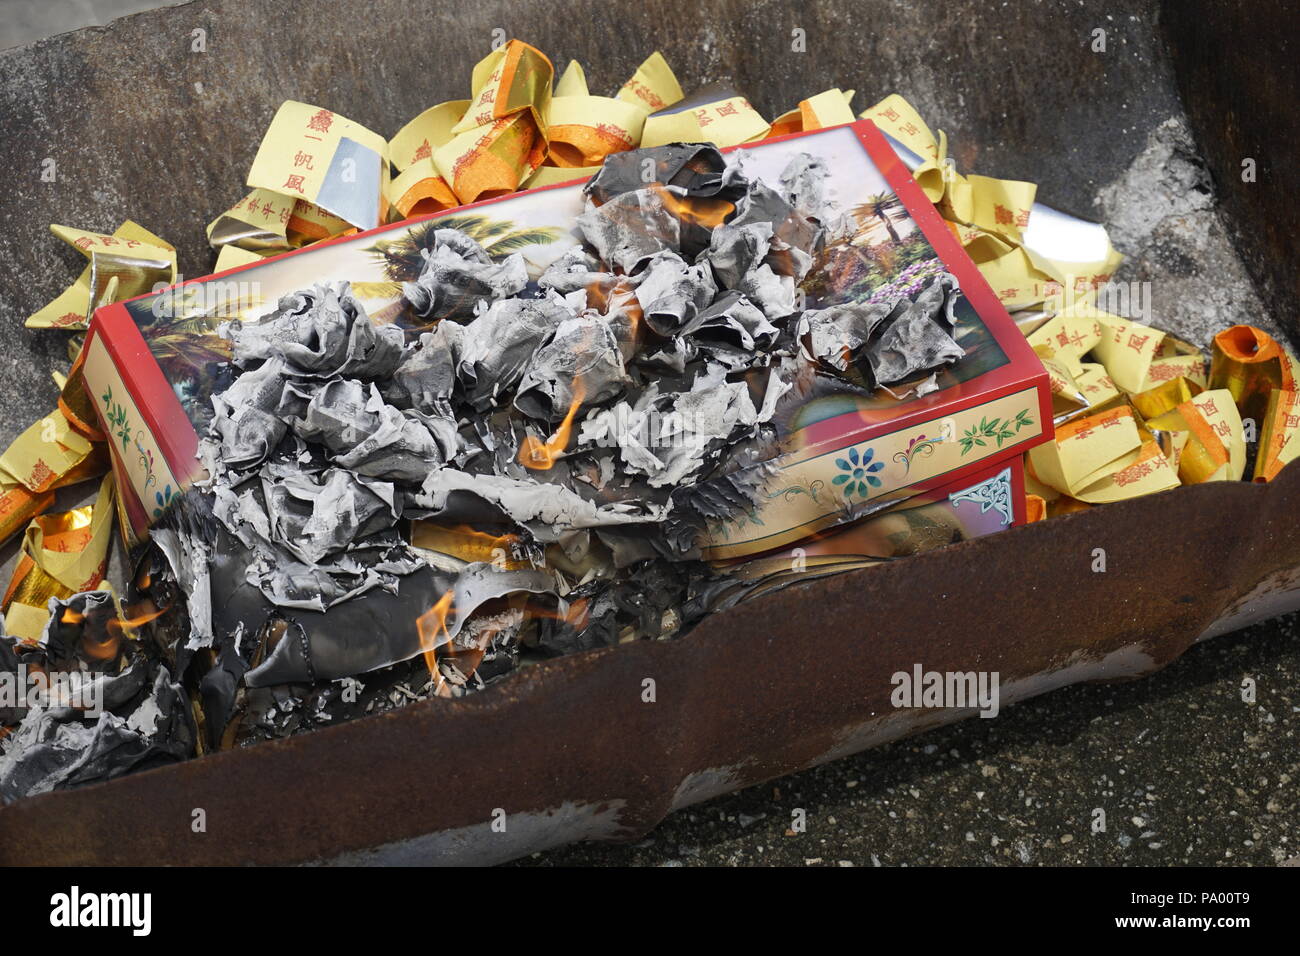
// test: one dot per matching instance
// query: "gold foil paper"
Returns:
(133, 255)
(62, 554)
(1250, 364)
(1215, 449)
(1278, 441)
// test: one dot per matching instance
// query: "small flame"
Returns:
(127, 624)
(702, 211)
(72, 617)
(540, 455)
(430, 624)
(575, 616)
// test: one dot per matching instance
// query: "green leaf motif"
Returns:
(999, 430)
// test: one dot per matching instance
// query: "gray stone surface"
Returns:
(26, 21)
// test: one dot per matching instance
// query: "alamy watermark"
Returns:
(946, 689)
(25, 689)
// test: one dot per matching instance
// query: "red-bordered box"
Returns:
(151, 364)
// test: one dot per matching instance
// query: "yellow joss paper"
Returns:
(728, 122)
(586, 129)
(1086, 451)
(1279, 436)
(62, 554)
(1138, 357)
(429, 131)
(1095, 383)
(231, 257)
(573, 82)
(895, 116)
(653, 86)
(419, 190)
(1067, 337)
(1068, 399)
(316, 155)
(553, 175)
(1215, 448)
(133, 255)
(501, 140)
(1250, 364)
(48, 455)
(310, 223)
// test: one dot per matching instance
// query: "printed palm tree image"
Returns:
(403, 258)
(882, 210)
(881, 256)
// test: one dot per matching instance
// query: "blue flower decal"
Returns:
(859, 473)
(163, 498)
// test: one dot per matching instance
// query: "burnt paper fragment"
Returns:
(689, 169)
(498, 345)
(672, 293)
(919, 339)
(458, 278)
(581, 365)
(426, 377)
(320, 332)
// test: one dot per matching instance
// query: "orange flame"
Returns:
(72, 617)
(575, 616)
(696, 209)
(430, 624)
(540, 455)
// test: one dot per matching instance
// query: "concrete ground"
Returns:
(25, 21)
(1184, 770)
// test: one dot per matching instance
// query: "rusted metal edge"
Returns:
(569, 750)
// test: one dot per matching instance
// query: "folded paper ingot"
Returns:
(653, 86)
(1278, 441)
(62, 554)
(1250, 364)
(501, 139)
(133, 255)
(586, 129)
(257, 223)
(429, 131)
(48, 455)
(1088, 450)
(1138, 357)
(419, 190)
(316, 155)
(1068, 336)
(1215, 448)
(728, 122)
